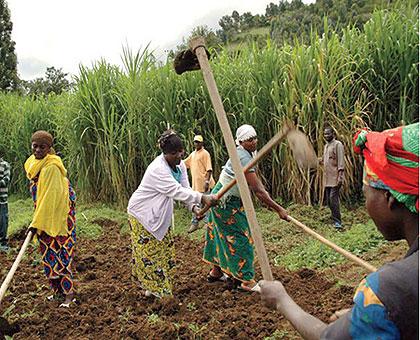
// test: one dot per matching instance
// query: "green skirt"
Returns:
(229, 244)
(153, 260)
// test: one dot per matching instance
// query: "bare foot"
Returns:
(250, 286)
(216, 272)
(69, 299)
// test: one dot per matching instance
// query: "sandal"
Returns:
(245, 288)
(67, 305)
(212, 279)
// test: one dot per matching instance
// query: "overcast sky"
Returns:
(66, 33)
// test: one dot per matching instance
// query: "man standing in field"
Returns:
(4, 211)
(333, 161)
(199, 163)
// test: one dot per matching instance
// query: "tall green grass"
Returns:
(108, 127)
(20, 117)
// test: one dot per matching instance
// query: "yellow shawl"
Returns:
(52, 199)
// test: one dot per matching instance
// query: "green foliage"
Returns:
(20, 214)
(55, 81)
(153, 318)
(196, 330)
(191, 306)
(213, 41)
(89, 230)
(20, 117)
(8, 61)
(294, 21)
(237, 23)
(91, 219)
(107, 129)
(359, 239)
(278, 334)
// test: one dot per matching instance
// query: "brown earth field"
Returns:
(111, 305)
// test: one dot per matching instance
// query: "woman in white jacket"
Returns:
(150, 211)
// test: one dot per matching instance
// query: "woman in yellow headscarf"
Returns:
(54, 216)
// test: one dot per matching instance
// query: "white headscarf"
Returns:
(245, 132)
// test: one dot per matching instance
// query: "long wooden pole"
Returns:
(12, 270)
(197, 45)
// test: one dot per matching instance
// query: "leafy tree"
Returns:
(8, 61)
(295, 20)
(55, 81)
(226, 22)
(290, 21)
(236, 18)
(212, 39)
(260, 20)
(246, 20)
(209, 35)
(271, 10)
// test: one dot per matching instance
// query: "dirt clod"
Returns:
(7, 328)
(306, 273)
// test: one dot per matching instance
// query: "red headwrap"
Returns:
(393, 155)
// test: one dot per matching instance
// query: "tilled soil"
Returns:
(110, 305)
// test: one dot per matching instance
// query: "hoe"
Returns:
(196, 58)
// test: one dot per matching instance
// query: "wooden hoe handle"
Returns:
(197, 45)
(12, 270)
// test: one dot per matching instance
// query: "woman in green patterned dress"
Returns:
(229, 244)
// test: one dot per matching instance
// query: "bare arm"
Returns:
(258, 188)
(340, 163)
(340, 177)
(187, 161)
(208, 175)
(307, 325)
(209, 172)
(207, 181)
(275, 296)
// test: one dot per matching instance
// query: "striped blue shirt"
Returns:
(4, 180)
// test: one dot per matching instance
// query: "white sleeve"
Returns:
(164, 183)
(184, 176)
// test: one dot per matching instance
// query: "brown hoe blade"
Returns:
(186, 60)
(302, 149)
